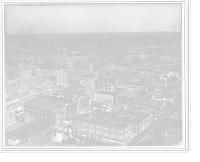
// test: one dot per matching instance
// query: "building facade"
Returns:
(51, 109)
(108, 131)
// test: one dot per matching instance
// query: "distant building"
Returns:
(11, 88)
(166, 93)
(106, 130)
(141, 99)
(155, 106)
(105, 97)
(83, 65)
(82, 96)
(134, 86)
(63, 77)
(125, 98)
(32, 134)
(106, 83)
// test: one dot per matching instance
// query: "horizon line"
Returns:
(94, 33)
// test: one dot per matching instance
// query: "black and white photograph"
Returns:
(94, 76)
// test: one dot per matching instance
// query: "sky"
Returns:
(92, 18)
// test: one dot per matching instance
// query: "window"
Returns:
(85, 124)
(120, 137)
(91, 125)
(98, 132)
(84, 129)
(42, 111)
(98, 127)
(120, 131)
(105, 134)
(112, 135)
(91, 131)
(104, 128)
(113, 130)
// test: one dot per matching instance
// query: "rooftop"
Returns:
(85, 61)
(126, 94)
(155, 103)
(107, 93)
(28, 130)
(107, 122)
(175, 123)
(175, 68)
(131, 116)
(47, 102)
(141, 95)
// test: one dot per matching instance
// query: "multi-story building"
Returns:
(135, 86)
(63, 77)
(106, 130)
(156, 106)
(10, 89)
(83, 65)
(50, 108)
(125, 97)
(142, 99)
(139, 121)
(9, 117)
(83, 81)
(166, 93)
(105, 97)
(106, 83)
(174, 132)
(82, 96)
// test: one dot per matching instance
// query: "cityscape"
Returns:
(106, 89)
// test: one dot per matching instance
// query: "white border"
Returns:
(120, 149)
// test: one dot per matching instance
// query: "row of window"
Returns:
(43, 117)
(104, 128)
(40, 111)
(105, 134)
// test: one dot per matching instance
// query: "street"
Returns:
(154, 134)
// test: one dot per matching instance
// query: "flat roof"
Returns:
(134, 83)
(85, 61)
(175, 123)
(48, 102)
(131, 116)
(156, 103)
(27, 130)
(107, 93)
(106, 122)
(140, 95)
(126, 94)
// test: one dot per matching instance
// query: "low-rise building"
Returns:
(139, 120)
(106, 130)
(50, 108)
(10, 89)
(105, 97)
(32, 134)
(134, 86)
(142, 99)
(125, 97)
(157, 106)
